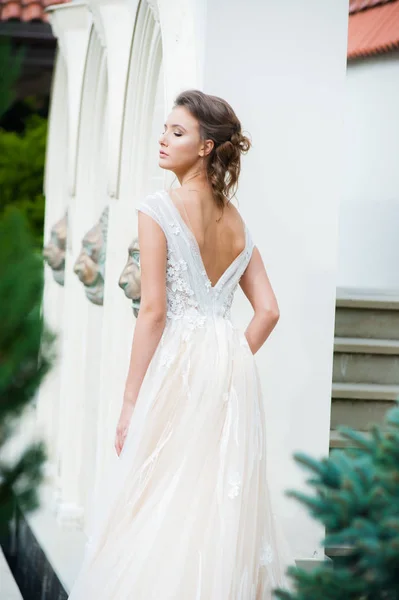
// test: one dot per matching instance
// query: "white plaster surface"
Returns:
(369, 213)
(263, 59)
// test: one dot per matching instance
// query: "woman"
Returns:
(185, 513)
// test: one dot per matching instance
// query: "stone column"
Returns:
(282, 66)
(53, 298)
(72, 23)
(114, 22)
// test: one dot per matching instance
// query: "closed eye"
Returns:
(176, 134)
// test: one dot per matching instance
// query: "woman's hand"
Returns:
(123, 425)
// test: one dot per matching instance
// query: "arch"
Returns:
(144, 81)
(90, 201)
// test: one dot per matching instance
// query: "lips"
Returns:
(162, 153)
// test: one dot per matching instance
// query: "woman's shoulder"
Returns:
(153, 201)
(151, 204)
(241, 222)
(153, 198)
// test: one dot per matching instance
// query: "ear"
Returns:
(206, 148)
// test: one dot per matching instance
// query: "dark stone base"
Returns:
(30, 567)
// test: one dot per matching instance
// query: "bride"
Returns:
(185, 512)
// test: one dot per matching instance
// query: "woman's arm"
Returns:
(151, 318)
(257, 288)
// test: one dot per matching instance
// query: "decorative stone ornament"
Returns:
(90, 264)
(54, 251)
(130, 279)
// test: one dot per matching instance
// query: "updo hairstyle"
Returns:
(218, 122)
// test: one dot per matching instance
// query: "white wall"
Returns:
(282, 67)
(369, 214)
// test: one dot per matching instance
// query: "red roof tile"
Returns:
(373, 29)
(358, 5)
(26, 10)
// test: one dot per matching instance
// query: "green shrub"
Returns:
(26, 354)
(10, 69)
(357, 499)
(22, 159)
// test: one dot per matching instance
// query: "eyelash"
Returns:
(176, 134)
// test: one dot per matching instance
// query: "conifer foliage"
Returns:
(22, 154)
(26, 345)
(26, 353)
(356, 497)
(10, 63)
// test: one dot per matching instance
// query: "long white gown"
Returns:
(184, 513)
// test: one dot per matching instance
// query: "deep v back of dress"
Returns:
(215, 249)
(184, 512)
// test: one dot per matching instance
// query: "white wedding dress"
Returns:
(184, 513)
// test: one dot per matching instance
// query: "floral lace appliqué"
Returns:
(167, 359)
(266, 554)
(181, 299)
(175, 227)
(234, 484)
(227, 303)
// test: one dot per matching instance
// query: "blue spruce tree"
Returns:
(356, 498)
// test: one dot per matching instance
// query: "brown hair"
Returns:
(218, 122)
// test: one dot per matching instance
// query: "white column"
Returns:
(282, 65)
(91, 188)
(142, 82)
(53, 297)
(72, 24)
(183, 25)
(115, 20)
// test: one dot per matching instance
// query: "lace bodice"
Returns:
(190, 294)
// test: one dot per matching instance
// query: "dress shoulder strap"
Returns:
(152, 205)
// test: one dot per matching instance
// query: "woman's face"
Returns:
(180, 144)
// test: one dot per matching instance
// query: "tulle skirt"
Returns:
(184, 512)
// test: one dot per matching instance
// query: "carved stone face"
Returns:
(130, 279)
(86, 265)
(54, 251)
(90, 264)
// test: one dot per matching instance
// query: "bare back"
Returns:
(220, 235)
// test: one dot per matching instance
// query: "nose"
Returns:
(123, 280)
